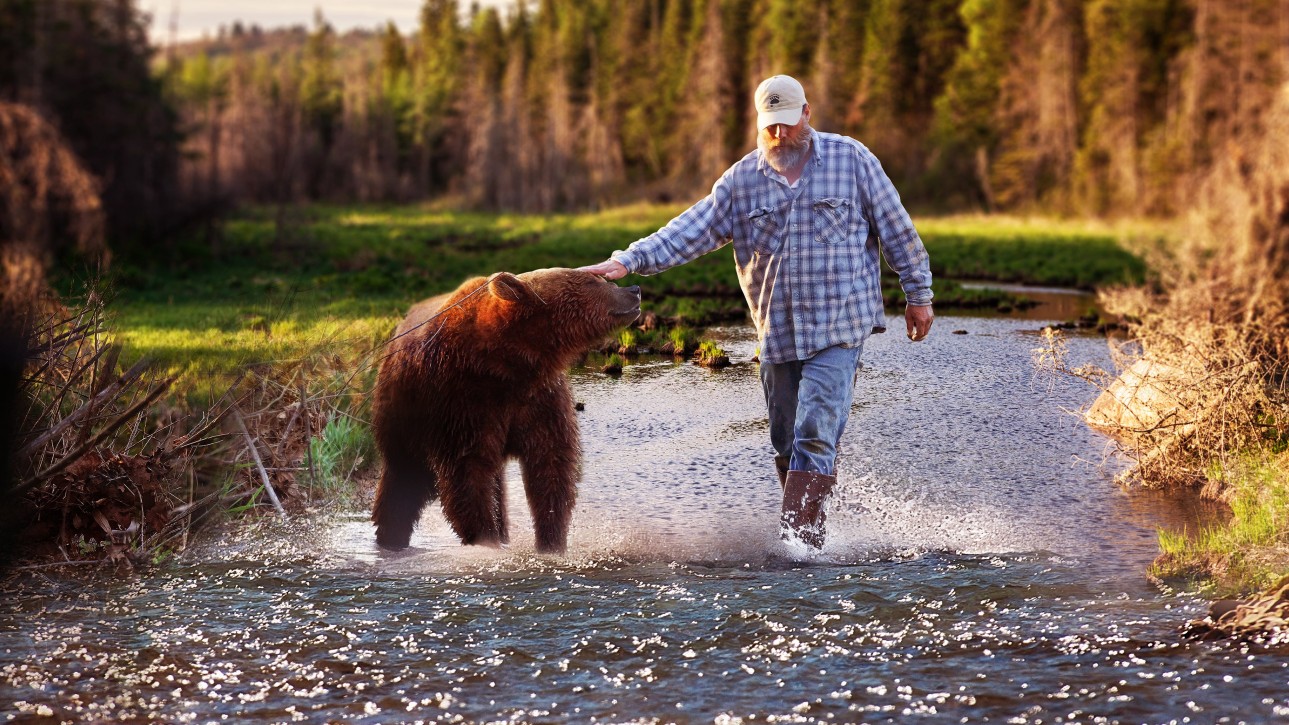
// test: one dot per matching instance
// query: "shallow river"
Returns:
(982, 566)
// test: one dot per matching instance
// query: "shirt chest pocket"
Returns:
(763, 229)
(832, 220)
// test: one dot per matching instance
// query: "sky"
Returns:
(198, 17)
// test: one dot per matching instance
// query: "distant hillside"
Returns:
(239, 39)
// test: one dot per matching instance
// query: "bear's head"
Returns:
(562, 312)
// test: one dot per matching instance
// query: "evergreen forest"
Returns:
(1084, 107)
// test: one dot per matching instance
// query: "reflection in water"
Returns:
(1058, 304)
(982, 566)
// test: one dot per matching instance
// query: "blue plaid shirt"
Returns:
(806, 255)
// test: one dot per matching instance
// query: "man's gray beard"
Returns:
(786, 157)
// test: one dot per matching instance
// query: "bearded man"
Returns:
(807, 213)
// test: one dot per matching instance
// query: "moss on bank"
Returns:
(1251, 550)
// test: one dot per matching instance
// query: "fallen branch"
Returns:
(128, 377)
(82, 562)
(264, 476)
(91, 443)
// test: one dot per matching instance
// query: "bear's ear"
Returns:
(510, 288)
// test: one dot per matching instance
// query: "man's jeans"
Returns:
(809, 402)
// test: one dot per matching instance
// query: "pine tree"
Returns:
(85, 66)
(487, 157)
(699, 127)
(1037, 114)
(965, 129)
(600, 126)
(436, 83)
(321, 102)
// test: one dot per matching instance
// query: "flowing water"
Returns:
(982, 566)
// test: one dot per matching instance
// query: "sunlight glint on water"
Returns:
(981, 565)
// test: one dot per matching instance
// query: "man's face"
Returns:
(778, 135)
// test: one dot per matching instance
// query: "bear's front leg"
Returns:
(549, 454)
(406, 485)
(472, 494)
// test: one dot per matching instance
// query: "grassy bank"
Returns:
(338, 277)
(1248, 552)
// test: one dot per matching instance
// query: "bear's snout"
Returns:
(629, 299)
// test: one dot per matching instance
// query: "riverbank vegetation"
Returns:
(1203, 399)
(1224, 322)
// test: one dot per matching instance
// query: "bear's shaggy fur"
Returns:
(477, 376)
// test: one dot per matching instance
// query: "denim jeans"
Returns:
(809, 402)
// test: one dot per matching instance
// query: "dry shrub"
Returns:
(86, 457)
(47, 195)
(105, 467)
(282, 408)
(110, 470)
(98, 462)
(1215, 330)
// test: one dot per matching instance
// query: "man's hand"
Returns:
(607, 269)
(918, 319)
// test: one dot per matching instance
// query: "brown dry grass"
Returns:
(1214, 328)
(1221, 315)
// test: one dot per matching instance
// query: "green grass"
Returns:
(711, 354)
(1249, 551)
(613, 364)
(343, 275)
(627, 341)
(684, 340)
(339, 450)
(1044, 252)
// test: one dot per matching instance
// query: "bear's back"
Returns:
(419, 314)
(424, 311)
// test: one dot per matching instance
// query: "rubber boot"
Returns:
(781, 466)
(804, 494)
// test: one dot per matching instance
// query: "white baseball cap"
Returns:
(779, 99)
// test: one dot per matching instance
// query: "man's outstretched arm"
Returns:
(701, 228)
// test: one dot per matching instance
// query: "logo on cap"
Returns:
(774, 100)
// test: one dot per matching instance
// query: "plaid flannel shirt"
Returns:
(807, 256)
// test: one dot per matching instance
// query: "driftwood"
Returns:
(255, 454)
(1264, 616)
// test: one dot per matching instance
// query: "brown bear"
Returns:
(477, 376)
